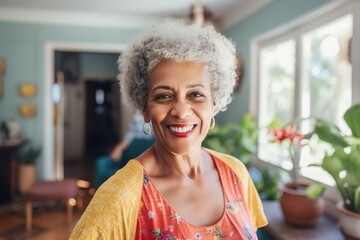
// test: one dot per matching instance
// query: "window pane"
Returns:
(327, 81)
(277, 89)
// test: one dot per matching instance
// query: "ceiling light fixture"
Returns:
(200, 15)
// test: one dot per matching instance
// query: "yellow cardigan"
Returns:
(113, 211)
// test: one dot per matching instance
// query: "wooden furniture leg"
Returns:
(28, 216)
(70, 204)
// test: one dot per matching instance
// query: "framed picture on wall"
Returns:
(2, 66)
(1, 89)
(239, 71)
(27, 90)
(28, 110)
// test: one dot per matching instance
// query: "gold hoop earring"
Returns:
(148, 130)
(212, 125)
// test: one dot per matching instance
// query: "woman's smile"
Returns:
(181, 130)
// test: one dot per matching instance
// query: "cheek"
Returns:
(156, 114)
(207, 113)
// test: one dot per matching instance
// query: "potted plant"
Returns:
(27, 168)
(343, 164)
(300, 202)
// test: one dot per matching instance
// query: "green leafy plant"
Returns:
(29, 155)
(266, 182)
(343, 164)
(238, 140)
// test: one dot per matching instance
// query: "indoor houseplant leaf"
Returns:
(29, 155)
(238, 140)
(343, 164)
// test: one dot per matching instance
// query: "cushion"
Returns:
(52, 190)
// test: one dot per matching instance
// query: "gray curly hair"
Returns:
(178, 41)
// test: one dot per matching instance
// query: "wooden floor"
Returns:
(49, 221)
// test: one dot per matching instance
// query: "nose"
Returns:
(181, 109)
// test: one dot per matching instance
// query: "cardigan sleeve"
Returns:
(252, 197)
(112, 213)
(253, 200)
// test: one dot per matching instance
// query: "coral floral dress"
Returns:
(158, 220)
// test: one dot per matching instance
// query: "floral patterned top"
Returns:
(158, 220)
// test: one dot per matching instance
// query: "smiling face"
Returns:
(179, 105)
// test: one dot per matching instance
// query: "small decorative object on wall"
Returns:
(1, 89)
(2, 66)
(28, 110)
(239, 72)
(27, 89)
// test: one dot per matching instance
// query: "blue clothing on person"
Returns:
(138, 142)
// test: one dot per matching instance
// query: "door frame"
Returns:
(54, 163)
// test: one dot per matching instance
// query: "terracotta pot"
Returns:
(349, 223)
(27, 176)
(297, 208)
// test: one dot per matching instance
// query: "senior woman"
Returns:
(180, 76)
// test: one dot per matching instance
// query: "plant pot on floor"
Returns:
(27, 167)
(27, 176)
(349, 222)
(297, 208)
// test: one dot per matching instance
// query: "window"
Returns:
(327, 80)
(303, 73)
(277, 80)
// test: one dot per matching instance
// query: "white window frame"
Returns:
(295, 30)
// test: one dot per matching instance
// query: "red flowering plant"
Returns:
(294, 140)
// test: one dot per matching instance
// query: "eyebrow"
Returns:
(188, 86)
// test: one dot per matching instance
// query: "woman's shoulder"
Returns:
(235, 164)
(128, 178)
(118, 201)
(120, 191)
(232, 161)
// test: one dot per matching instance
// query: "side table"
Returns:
(8, 168)
(280, 229)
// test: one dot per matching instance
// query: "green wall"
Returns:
(274, 15)
(22, 47)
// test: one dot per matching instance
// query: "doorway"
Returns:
(53, 161)
(102, 129)
(88, 110)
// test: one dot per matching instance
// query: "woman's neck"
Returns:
(189, 165)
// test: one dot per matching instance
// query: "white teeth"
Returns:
(181, 129)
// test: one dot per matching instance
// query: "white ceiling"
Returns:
(130, 13)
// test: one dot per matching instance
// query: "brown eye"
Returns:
(197, 95)
(163, 97)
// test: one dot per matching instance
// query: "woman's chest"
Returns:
(199, 202)
(215, 211)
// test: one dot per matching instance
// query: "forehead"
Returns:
(173, 72)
